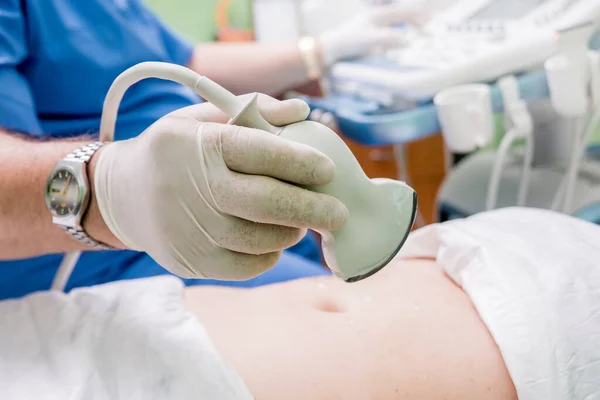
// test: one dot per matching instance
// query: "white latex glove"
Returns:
(367, 32)
(209, 200)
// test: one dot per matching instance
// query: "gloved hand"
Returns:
(210, 200)
(367, 32)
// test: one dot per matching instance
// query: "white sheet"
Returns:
(534, 277)
(126, 340)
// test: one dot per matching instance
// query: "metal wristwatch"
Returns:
(67, 193)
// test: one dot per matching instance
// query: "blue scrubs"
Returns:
(57, 61)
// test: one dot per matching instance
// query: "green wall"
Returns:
(194, 19)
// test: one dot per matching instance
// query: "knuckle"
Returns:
(160, 138)
(227, 234)
(274, 152)
(234, 143)
(232, 134)
(276, 202)
(170, 134)
(223, 189)
(257, 192)
(211, 135)
(227, 194)
(294, 207)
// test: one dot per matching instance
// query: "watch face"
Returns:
(63, 193)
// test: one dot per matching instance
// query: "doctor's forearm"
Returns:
(26, 228)
(249, 67)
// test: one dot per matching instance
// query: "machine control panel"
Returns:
(476, 31)
(451, 50)
(475, 40)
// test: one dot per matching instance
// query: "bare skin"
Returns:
(26, 228)
(406, 333)
(251, 67)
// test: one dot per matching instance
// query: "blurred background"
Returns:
(425, 159)
(233, 20)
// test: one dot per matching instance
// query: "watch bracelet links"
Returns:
(84, 153)
(82, 237)
(307, 45)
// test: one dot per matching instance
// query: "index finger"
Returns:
(277, 112)
(256, 152)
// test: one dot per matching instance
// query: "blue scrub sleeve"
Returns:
(17, 108)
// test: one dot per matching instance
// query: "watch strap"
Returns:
(81, 236)
(84, 154)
